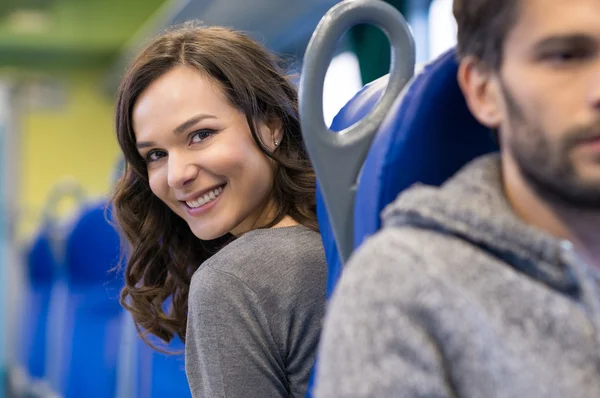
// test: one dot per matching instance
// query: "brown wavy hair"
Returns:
(161, 251)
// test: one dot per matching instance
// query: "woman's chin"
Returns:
(205, 233)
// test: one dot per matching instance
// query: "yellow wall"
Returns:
(75, 141)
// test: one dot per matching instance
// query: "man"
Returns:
(488, 286)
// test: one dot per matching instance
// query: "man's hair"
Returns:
(482, 28)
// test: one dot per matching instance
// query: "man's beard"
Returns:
(546, 165)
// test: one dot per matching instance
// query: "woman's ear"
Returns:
(271, 134)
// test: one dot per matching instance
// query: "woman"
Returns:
(218, 185)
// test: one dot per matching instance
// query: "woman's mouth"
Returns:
(204, 202)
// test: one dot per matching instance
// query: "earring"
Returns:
(276, 143)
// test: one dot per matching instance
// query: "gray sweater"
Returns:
(255, 313)
(457, 297)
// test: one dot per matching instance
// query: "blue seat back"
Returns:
(92, 321)
(427, 136)
(93, 248)
(164, 375)
(147, 373)
(40, 258)
(40, 263)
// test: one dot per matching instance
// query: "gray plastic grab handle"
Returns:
(59, 296)
(60, 191)
(338, 157)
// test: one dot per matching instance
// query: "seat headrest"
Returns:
(360, 105)
(427, 136)
(92, 247)
(41, 263)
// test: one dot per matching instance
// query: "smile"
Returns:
(207, 198)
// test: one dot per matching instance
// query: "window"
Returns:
(342, 82)
(442, 28)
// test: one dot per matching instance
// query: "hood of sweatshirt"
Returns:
(472, 206)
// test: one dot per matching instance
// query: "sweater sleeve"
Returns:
(230, 351)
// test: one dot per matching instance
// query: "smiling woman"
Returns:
(190, 155)
(218, 186)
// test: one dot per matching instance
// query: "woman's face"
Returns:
(202, 160)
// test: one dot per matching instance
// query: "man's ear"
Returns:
(482, 91)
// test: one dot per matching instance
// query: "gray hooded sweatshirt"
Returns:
(458, 297)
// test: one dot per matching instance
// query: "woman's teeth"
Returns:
(208, 197)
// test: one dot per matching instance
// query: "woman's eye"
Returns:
(201, 135)
(153, 156)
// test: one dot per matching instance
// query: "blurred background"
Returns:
(62, 332)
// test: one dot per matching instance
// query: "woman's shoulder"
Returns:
(265, 257)
(274, 245)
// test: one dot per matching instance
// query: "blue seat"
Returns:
(40, 265)
(427, 136)
(147, 373)
(164, 374)
(89, 339)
